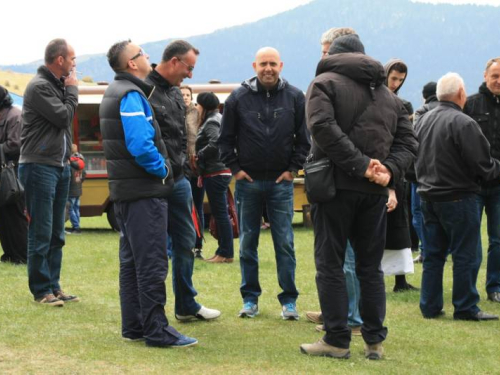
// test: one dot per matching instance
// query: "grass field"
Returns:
(84, 338)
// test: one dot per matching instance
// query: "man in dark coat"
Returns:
(484, 107)
(358, 123)
(13, 221)
(453, 158)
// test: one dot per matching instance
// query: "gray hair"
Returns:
(55, 48)
(448, 86)
(330, 35)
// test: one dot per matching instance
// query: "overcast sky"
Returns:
(94, 25)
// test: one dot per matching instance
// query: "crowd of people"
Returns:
(163, 153)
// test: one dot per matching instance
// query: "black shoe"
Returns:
(438, 315)
(198, 253)
(494, 297)
(481, 315)
(404, 288)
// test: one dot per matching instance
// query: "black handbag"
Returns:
(11, 189)
(319, 180)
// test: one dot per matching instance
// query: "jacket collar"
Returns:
(483, 89)
(125, 76)
(451, 105)
(254, 85)
(158, 79)
(47, 74)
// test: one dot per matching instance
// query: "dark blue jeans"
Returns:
(143, 270)
(416, 212)
(46, 192)
(74, 212)
(181, 230)
(279, 199)
(353, 289)
(455, 226)
(198, 196)
(216, 188)
(489, 199)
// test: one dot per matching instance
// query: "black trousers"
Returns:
(362, 219)
(14, 232)
(143, 270)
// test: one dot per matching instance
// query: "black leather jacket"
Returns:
(484, 107)
(206, 145)
(170, 112)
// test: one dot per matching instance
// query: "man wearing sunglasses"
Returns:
(140, 180)
(178, 61)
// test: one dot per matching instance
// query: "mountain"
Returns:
(431, 39)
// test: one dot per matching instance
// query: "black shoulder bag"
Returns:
(11, 189)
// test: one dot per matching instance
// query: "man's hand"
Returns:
(71, 80)
(392, 202)
(287, 176)
(242, 175)
(370, 171)
(382, 175)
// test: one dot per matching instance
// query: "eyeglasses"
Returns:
(189, 67)
(140, 53)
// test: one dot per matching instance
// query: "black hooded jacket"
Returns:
(263, 131)
(346, 86)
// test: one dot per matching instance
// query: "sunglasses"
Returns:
(140, 53)
(189, 67)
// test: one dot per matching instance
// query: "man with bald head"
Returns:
(264, 141)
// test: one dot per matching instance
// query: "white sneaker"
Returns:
(203, 313)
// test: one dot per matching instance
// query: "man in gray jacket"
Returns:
(50, 102)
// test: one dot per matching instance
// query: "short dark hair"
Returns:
(399, 67)
(187, 88)
(177, 48)
(115, 53)
(55, 48)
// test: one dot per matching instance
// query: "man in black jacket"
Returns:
(264, 141)
(453, 157)
(178, 62)
(484, 107)
(50, 102)
(358, 123)
(140, 180)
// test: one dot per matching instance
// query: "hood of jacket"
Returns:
(360, 68)
(388, 67)
(483, 89)
(253, 84)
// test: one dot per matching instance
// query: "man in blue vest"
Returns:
(140, 180)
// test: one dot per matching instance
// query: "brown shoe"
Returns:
(50, 300)
(374, 351)
(320, 327)
(356, 331)
(66, 297)
(217, 259)
(321, 348)
(229, 260)
(315, 317)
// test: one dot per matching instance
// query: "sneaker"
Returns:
(374, 351)
(289, 312)
(203, 313)
(182, 342)
(68, 231)
(322, 349)
(405, 288)
(315, 317)
(356, 330)
(50, 300)
(320, 327)
(76, 231)
(249, 310)
(66, 297)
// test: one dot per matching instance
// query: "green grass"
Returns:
(84, 338)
